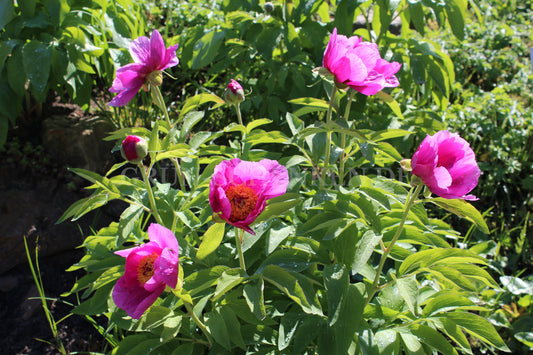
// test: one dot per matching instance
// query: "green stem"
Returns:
(160, 102)
(409, 202)
(239, 117)
(199, 323)
(328, 137)
(150, 194)
(238, 242)
(343, 136)
(179, 173)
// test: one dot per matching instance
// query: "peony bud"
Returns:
(155, 78)
(234, 93)
(134, 149)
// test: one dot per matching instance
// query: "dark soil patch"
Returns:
(23, 319)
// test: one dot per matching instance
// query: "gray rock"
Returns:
(78, 143)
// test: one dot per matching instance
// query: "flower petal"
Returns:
(163, 237)
(134, 299)
(140, 50)
(168, 267)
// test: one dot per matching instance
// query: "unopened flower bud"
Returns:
(155, 78)
(269, 7)
(134, 149)
(234, 93)
(406, 164)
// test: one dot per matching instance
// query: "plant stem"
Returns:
(179, 173)
(409, 202)
(239, 116)
(160, 102)
(199, 323)
(328, 137)
(150, 194)
(238, 243)
(343, 136)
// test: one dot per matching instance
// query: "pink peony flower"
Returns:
(134, 149)
(234, 93)
(447, 165)
(239, 189)
(150, 57)
(149, 269)
(358, 64)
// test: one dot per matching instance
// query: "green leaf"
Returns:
(408, 288)
(85, 205)
(7, 13)
(228, 280)
(127, 221)
(365, 249)
(97, 304)
(393, 104)
(456, 11)
(180, 150)
(444, 256)
(96, 179)
(462, 209)
(206, 48)
(345, 244)
(211, 240)
(278, 206)
(296, 286)
(257, 123)
(350, 318)
(277, 234)
(218, 328)
(478, 327)
(203, 279)
(448, 301)
(336, 281)
(431, 337)
(311, 102)
(193, 102)
(136, 344)
(190, 120)
(253, 293)
(289, 259)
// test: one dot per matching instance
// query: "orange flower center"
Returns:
(145, 269)
(243, 200)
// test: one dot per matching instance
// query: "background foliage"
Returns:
(308, 273)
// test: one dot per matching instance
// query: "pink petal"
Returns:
(163, 237)
(140, 50)
(168, 267)
(134, 299)
(278, 179)
(170, 59)
(157, 50)
(124, 97)
(443, 177)
(368, 53)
